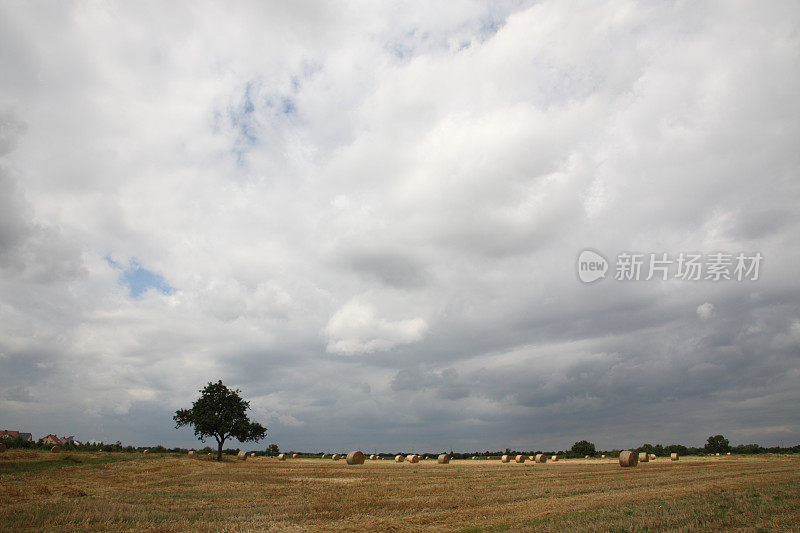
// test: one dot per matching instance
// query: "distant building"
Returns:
(52, 439)
(9, 434)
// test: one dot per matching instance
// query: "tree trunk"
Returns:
(219, 449)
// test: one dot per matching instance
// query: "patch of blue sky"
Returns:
(243, 120)
(139, 279)
(256, 114)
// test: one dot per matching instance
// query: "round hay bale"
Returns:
(728, 453)
(191, 453)
(554, 458)
(602, 457)
(652, 457)
(443, 459)
(519, 459)
(540, 458)
(644, 457)
(324, 456)
(2, 447)
(295, 455)
(281, 457)
(252, 454)
(242, 455)
(145, 451)
(673, 457)
(55, 449)
(399, 459)
(355, 458)
(413, 458)
(474, 457)
(628, 458)
(586, 457)
(336, 457)
(532, 458)
(505, 459)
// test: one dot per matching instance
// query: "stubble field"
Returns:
(124, 492)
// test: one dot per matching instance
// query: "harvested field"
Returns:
(135, 492)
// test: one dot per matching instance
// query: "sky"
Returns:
(368, 216)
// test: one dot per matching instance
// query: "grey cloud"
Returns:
(391, 267)
(346, 229)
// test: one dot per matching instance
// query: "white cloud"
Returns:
(705, 311)
(356, 329)
(411, 182)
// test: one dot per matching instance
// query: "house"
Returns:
(9, 434)
(52, 439)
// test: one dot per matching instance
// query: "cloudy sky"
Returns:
(367, 216)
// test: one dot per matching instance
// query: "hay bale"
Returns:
(55, 449)
(295, 455)
(532, 458)
(324, 456)
(281, 457)
(413, 458)
(554, 458)
(540, 458)
(242, 455)
(628, 458)
(191, 453)
(336, 457)
(586, 457)
(652, 457)
(644, 457)
(602, 457)
(673, 457)
(505, 459)
(717, 454)
(443, 459)
(145, 451)
(728, 453)
(252, 454)
(519, 459)
(399, 459)
(372, 457)
(355, 458)
(474, 457)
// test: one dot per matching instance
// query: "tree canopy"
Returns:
(583, 447)
(717, 444)
(220, 413)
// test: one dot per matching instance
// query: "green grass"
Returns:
(764, 509)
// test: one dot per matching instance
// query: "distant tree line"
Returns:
(715, 444)
(118, 447)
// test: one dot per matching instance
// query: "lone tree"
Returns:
(717, 444)
(220, 413)
(583, 447)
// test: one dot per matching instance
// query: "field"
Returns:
(127, 492)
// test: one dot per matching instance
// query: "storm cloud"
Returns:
(367, 217)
